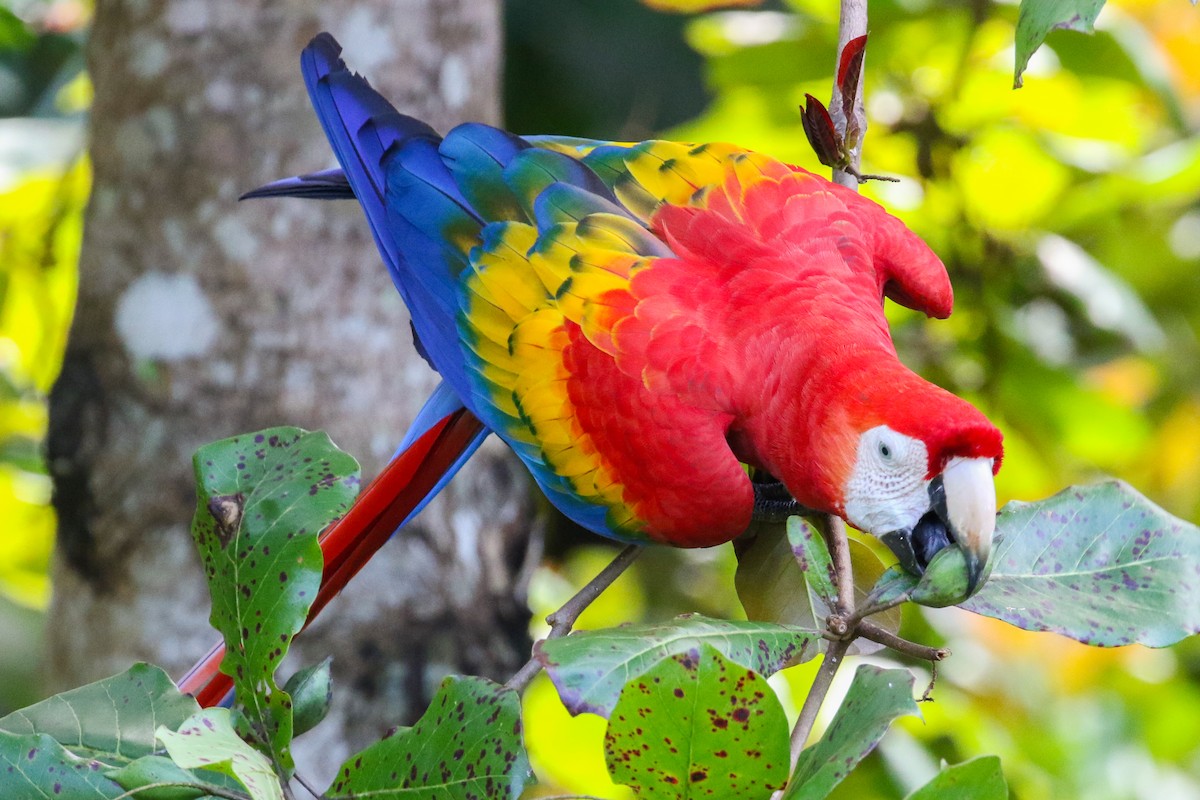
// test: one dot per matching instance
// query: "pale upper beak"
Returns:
(962, 511)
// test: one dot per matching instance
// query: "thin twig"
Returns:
(927, 696)
(816, 696)
(563, 620)
(869, 630)
(308, 787)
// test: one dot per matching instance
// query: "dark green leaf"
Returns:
(977, 779)
(263, 498)
(36, 766)
(698, 725)
(208, 741)
(311, 690)
(466, 746)
(945, 580)
(772, 589)
(112, 720)
(590, 668)
(1100, 564)
(1038, 17)
(875, 698)
(184, 784)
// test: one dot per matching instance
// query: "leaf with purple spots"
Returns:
(1100, 564)
(112, 720)
(208, 741)
(977, 779)
(591, 668)
(875, 698)
(263, 498)
(812, 554)
(773, 588)
(466, 746)
(697, 725)
(34, 765)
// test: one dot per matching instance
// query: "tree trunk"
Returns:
(200, 318)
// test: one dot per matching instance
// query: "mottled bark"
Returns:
(200, 317)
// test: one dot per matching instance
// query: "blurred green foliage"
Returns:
(1068, 214)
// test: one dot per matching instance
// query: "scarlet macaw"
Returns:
(639, 321)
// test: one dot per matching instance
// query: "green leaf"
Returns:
(875, 698)
(1038, 17)
(590, 668)
(36, 766)
(944, 582)
(184, 784)
(977, 779)
(812, 554)
(466, 746)
(772, 589)
(263, 498)
(208, 741)
(311, 690)
(698, 725)
(112, 720)
(1100, 564)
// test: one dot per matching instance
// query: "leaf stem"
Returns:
(563, 620)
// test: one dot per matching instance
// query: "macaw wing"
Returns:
(646, 176)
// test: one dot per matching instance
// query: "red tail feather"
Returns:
(349, 543)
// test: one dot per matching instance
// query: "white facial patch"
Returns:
(887, 488)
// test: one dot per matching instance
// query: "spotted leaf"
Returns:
(112, 720)
(35, 766)
(591, 668)
(812, 554)
(208, 741)
(466, 746)
(875, 698)
(977, 779)
(697, 725)
(1100, 564)
(263, 498)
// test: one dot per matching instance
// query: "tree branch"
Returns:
(869, 630)
(834, 655)
(563, 620)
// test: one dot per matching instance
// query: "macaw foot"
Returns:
(773, 502)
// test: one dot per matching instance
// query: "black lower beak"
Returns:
(916, 547)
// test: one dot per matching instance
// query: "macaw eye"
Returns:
(885, 451)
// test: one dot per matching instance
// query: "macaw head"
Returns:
(921, 475)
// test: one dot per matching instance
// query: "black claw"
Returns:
(773, 503)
